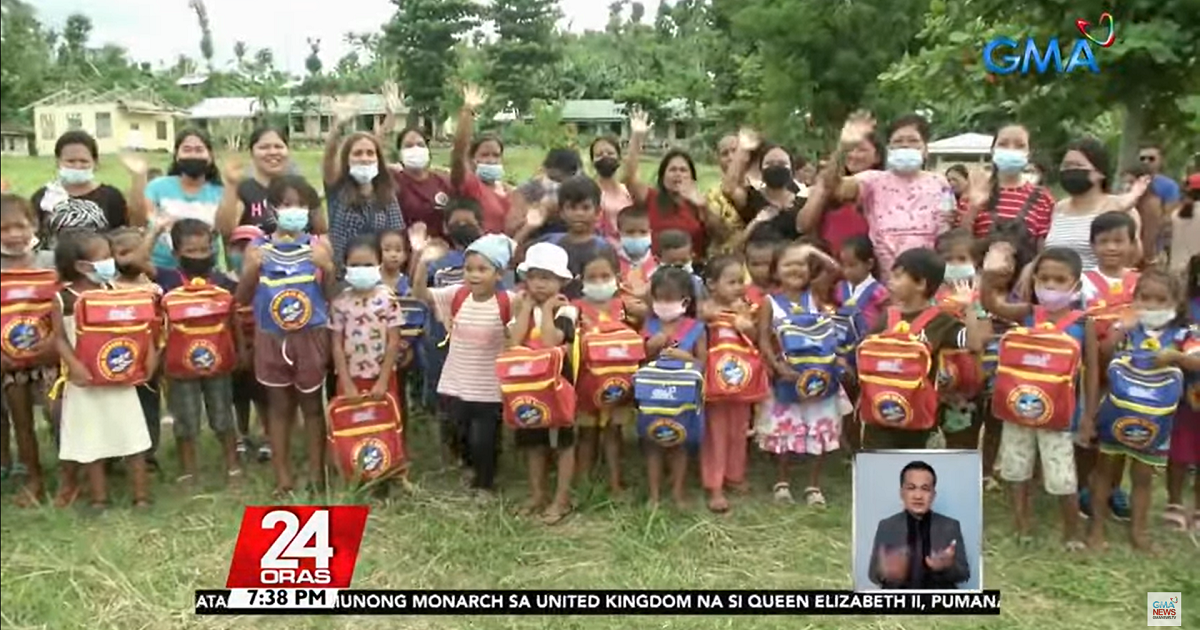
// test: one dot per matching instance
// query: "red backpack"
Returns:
(735, 370)
(610, 353)
(366, 437)
(533, 389)
(1037, 373)
(199, 331)
(115, 330)
(1112, 302)
(893, 369)
(26, 312)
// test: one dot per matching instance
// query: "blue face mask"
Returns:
(235, 262)
(959, 272)
(905, 160)
(104, 270)
(635, 246)
(363, 278)
(75, 176)
(1010, 160)
(489, 173)
(292, 219)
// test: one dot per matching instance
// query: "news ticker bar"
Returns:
(300, 601)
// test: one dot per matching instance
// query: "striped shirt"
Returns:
(477, 337)
(1074, 231)
(1008, 206)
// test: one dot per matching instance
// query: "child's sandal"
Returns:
(27, 498)
(66, 497)
(813, 497)
(1074, 546)
(555, 515)
(782, 492)
(1176, 517)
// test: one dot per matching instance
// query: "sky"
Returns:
(161, 30)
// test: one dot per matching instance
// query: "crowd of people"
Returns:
(865, 240)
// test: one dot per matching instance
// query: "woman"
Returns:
(833, 220)
(905, 206)
(191, 189)
(476, 167)
(957, 176)
(675, 203)
(359, 192)
(605, 154)
(776, 202)
(75, 200)
(719, 203)
(245, 199)
(1007, 195)
(421, 193)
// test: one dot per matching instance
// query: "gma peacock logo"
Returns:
(1005, 55)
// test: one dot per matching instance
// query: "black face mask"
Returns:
(463, 234)
(776, 176)
(606, 166)
(192, 167)
(1076, 181)
(129, 270)
(196, 266)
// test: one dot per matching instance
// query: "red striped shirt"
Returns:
(1009, 205)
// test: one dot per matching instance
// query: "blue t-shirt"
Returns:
(1165, 189)
(170, 201)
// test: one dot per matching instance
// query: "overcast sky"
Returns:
(161, 30)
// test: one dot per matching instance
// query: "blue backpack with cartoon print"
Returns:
(808, 340)
(670, 393)
(1138, 410)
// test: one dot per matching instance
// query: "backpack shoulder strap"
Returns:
(504, 303)
(1068, 320)
(893, 318)
(459, 298)
(1129, 282)
(1099, 282)
(918, 325)
(688, 334)
(782, 302)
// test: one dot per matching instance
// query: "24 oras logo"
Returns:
(1004, 55)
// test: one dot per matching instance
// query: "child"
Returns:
(191, 399)
(544, 316)
(579, 199)
(916, 276)
(862, 298)
(288, 279)
(26, 386)
(1159, 319)
(393, 251)
(248, 393)
(760, 249)
(603, 428)
(97, 423)
(1056, 274)
(675, 250)
(637, 261)
(1185, 434)
(365, 324)
(673, 319)
(955, 248)
(957, 412)
(477, 314)
(723, 452)
(811, 427)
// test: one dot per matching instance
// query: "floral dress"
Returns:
(810, 428)
(363, 319)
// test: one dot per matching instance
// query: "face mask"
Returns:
(104, 270)
(905, 160)
(635, 246)
(415, 158)
(364, 173)
(959, 272)
(1009, 160)
(1054, 299)
(1155, 320)
(129, 270)
(463, 234)
(1031, 178)
(192, 167)
(235, 262)
(489, 173)
(777, 176)
(600, 291)
(606, 166)
(292, 219)
(669, 311)
(74, 176)
(196, 266)
(1076, 181)
(362, 278)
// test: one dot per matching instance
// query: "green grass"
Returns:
(26, 174)
(127, 570)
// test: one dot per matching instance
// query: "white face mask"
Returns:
(1154, 320)
(600, 291)
(364, 173)
(415, 158)
(1031, 178)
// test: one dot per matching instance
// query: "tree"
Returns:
(72, 52)
(421, 37)
(23, 66)
(240, 50)
(313, 62)
(206, 41)
(526, 48)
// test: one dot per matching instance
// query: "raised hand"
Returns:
(418, 236)
(748, 139)
(535, 216)
(473, 96)
(233, 172)
(943, 559)
(344, 110)
(691, 193)
(963, 293)
(135, 164)
(999, 258)
(639, 122)
(979, 187)
(392, 99)
(893, 564)
(1140, 185)
(858, 126)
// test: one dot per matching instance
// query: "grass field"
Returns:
(128, 570)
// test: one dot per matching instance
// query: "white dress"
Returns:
(99, 422)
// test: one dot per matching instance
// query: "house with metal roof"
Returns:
(309, 117)
(119, 120)
(594, 117)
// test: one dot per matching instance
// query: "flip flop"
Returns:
(1175, 517)
(718, 507)
(27, 498)
(782, 492)
(814, 497)
(553, 516)
(1074, 546)
(66, 497)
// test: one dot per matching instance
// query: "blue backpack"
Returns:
(849, 318)
(670, 394)
(289, 296)
(1142, 399)
(809, 343)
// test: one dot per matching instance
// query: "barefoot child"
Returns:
(1161, 329)
(545, 317)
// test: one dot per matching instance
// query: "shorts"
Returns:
(553, 438)
(189, 400)
(621, 416)
(299, 359)
(1185, 437)
(246, 389)
(1020, 447)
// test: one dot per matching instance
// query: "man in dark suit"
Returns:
(918, 548)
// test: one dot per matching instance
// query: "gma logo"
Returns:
(1004, 55)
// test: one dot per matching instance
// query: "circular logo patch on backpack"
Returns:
(1134, 432)
(734, 372)
(1031, 404)
(812, 383)
(613, 391)
(202, 355)
(22, 334)
(117, 357)
(291, 309)
(530, 412)
(371, 457)
(892, 408)
(666, 432)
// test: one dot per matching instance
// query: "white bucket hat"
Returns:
(547, 257)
